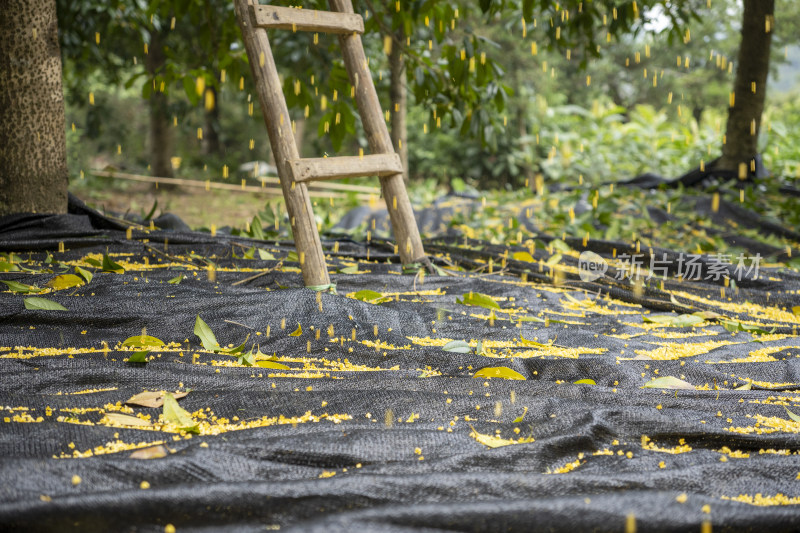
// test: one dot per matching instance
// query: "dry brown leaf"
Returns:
(152, 398)
(153, 452)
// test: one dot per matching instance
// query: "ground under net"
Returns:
(356, 411)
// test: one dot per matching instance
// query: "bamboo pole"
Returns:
(284, 148)
(401, 214)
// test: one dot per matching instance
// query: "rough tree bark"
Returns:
(750, 87)
(161, 136)
(398, 96)
(33, 146)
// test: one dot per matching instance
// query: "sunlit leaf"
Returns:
(554, 260)
(478, 299)
(176, 415)
(152, 398)
(668, 382)
(85, 274)
(586, 381)
(139, 357)
(126, 420)
(43, 304)
(297, 332)
(265, 255)
(498, 372)
(273, 365)
(457, 347)
(746, 386)
(353, 269)
(65, 281)
(141, 341)
(8, 267)
(207, 336)
(523, 256)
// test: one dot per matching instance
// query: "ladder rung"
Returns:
(287, 18)
(332, 168)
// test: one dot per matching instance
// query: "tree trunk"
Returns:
(33, 146)
(398, 96)
(750, 86)
(161, 137)
(211, 143)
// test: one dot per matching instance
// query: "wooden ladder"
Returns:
(294, 172)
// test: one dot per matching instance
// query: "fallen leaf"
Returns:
(526, 342)
(153, 452)
(498, 372)
(523, 256)
(207, 336)
(793, 416)
(520, 417)
(22, 288)
(109, 265)
(668, 382)
(297, 332)
(457, 347)
(65, 281)
(372, 297)
(479, 300)
(176, 280)
(178, 416)
(85, 274)
(126, 420)
(152, 398)
(586, 381)
(265, 255)
(43, 304)
(141, 341)
(273, 365)
(796, 309)
(139, 357)
(746, 386)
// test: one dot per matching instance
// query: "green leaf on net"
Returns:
(793, 416)
(297, 332)
(207, 336)
(353, 269)
(176, 280)
(372, 297)
(479, 300)
(522, 416)
(43, 304)
(685, 321)
(554, 260)
(139, 357)
(526, 342)
(457, 347)
(174, 414)
(65, 281)
(250, 253)
(292, 256)
(92, 261)
(85, 274)
(256, 229)
(239, 349)
(246, 359)
(523, 256)
(109, 265)
(668, 382)
(265, 255)
(733, 326)
(142, 341)
(22, 288)
(502, 372)
(586, 381)
(560, 245)
(273, 365)
(8, 267)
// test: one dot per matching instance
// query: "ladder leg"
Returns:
(284, 148)
(401, 214)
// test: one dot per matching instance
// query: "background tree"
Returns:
(33, 159)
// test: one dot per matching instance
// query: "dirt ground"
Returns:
(196, 206)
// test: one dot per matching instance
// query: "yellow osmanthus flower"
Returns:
(766, 425)
(647, 444)
(764, 501)
(669, 351)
